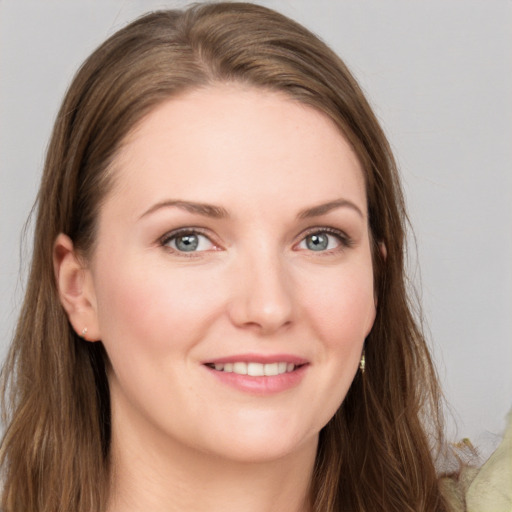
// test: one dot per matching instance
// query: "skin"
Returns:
(183, 439)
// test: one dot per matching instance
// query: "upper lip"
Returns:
(259, 358)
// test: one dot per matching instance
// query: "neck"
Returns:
(164, 476)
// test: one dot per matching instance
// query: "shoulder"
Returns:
(484, 489)
(491, 489)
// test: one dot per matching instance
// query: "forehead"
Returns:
(250, 139)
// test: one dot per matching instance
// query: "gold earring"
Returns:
(362, 363)
(84, 332)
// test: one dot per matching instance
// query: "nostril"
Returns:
(263, 299)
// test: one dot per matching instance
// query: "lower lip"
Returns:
(266, 385)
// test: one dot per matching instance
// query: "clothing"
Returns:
(485, 489)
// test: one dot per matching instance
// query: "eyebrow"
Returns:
(207, 210)
(324, 208)
(218, 212)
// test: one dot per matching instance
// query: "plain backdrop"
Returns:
(439, 75)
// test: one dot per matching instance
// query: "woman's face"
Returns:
(232, 277)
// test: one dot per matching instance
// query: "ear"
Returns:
(381, 248)
(76, 290)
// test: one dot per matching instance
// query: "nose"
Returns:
(263, 298)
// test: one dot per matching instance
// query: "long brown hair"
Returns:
(376, 452)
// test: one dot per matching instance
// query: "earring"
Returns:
(84, 332)
(362, 363)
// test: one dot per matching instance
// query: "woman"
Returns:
(216, 314)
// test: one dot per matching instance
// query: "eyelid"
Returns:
(345, 240)
(164, 240)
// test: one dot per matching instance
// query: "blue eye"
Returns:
(322, 241)
(188, 242)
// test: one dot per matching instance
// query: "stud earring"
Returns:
(362, 363)
(84, 332)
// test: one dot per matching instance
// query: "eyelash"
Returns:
(182, 232)
(344, 240)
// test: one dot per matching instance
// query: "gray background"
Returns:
(439, 75)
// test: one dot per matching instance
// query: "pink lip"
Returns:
(263, 386)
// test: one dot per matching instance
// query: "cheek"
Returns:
(341, 310)
(343, 307)
(148, 311)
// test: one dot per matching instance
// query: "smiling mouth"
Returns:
(255, 369)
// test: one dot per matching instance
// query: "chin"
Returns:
(261, 444)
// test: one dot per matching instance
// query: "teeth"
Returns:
(240, 368)
(271, 369)
(255, 369)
